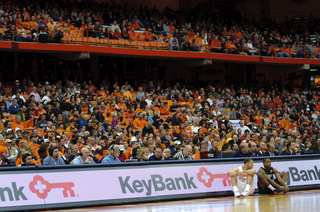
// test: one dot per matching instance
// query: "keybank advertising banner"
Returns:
(31, 189)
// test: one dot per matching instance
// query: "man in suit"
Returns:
(66, 156)
(289, 150)
(271, 151)
(243, 151)
(253, 150)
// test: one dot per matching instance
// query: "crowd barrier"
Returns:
(161, 42)
(43, 188)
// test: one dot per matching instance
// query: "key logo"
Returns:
(42, 187)
(207, 178)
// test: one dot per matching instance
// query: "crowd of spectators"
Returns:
(205, 28)
(57, 124)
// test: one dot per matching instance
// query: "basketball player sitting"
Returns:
(269, 180)
(242, 179)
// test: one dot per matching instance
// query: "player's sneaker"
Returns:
(277, 191)
(237, 193)
(245, 193)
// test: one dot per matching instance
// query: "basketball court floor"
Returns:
(306, 201)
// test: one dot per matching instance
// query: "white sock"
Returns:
(235, 188)
(247, 187)
(271, 187)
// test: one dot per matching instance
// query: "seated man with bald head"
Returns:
(83, 157)
(185, 154)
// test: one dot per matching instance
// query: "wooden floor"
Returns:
(306, 201)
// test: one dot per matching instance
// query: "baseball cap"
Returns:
(177, 142)
(95, 108)
(8, 141)
(121, 147)
(47, 83)
(17, 81)
(46, 140)
(9, 130)
(17, 129)
(25, 132)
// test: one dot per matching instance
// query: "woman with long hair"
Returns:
(143, 154)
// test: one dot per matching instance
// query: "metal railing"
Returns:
(89, 37)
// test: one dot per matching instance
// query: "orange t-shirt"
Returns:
(258, 119)
(197, 156)
(128, 153)
(164, 111)
(33, 24)
(188, 130)
(34, 146)
(36, 115)
(137, 122)
(15, 125)
(197, 41)
(172, 28)
(144, 123)
(102, 94)
(215, 43)
(134, 36)
(136, 26)
(139, 110)
(231, 47)
(85, 110)
(285, 124)
(246, 119)
(99, 157)
(28, 124)
(61, 23)
(122, 106)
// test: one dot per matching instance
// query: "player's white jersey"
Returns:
(241, 183)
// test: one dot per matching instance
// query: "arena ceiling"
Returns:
(235, 2)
